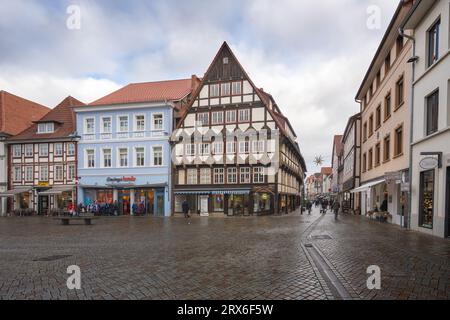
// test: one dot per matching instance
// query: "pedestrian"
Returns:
(309, 206)
(185, 207)
(336, 207)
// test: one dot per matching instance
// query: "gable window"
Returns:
(387, 107)
(17, 173)
(205, 176)
(231, 175)
(236, 88)
(47, 127)
(218, 175)
(432, 112)
(213, 90)
(71, 149)
(244, 115)
(89, 126)
(387, 148)
(203, 118)
(123, 157)
(58, 149)
(17, 150)
(123, 123)
(106, 125)
(398, 143)
(399, 90)
(157, 156)
(426, 198)
(28, 150)
(43, 150)
(90, 158)
(225, 89)
(433, 43)
(139, 155)
(43, 173)
(230, 116)
(58, 172)
(107, 158)
(158, 121)
(258, 175)
(217, 117)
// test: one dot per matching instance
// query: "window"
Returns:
(371, 125)
(218, 175)
(70, 149)
(43, 150)
(123, 157)
(217, 117)
(377, 154)
(47, 127)
(43, 173)
(225, 89)
(244, 175)
(192, 176)
(205, 176)
(107, 158)
(204, 149)
(58, 172)
(158, 121)
(243, 147)
(139, 122)
(230, 116)
(365, 131)
(371, 91)
(123, 123)
(203, 118)
(433, 43)
(244, 115)
(370, 160)
(29, 173)
(106, 125)
(190, 149)
(17, 151)
(236, 88)
(258, 176)
(398, 141)
(157, 156)
(432, 112)
(70, 172)
(378, 79)
(364, 164)
(387, 63)
(399, 90)
(89, 126)
(258, 146)
(58, 149)
(213, 90)
(387, 148)
(231, 175)
(426, 199)
(217, 147)
(28, 150)
(139, 157)
(90, 158)
(399, 45)
(378, 117)
(17, 173)
(231, 147)
(387, 107)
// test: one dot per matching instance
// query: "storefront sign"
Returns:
(43, 184)
(121, 179)
(395, 176)
(429, 163)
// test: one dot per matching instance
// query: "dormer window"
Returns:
(46, 127)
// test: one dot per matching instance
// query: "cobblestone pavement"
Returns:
(159, 258)
(413, 265)
(217, 258)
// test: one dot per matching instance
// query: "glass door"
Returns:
(43, 205)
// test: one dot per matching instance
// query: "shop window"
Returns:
(261, 202)
(218, 202)
(426, 207)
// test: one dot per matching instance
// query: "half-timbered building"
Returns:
(234, 152)
(42, 162)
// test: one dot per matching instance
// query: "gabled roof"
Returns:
(17, 113)
(326, 170)
(168, 90)
(337, 147)
(63, 117)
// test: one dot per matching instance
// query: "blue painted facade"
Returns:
(125, 181)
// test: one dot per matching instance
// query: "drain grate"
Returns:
(53, 258)
(321, 237)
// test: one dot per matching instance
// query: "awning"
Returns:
(367, 186)
(12, 192)
(205, 192)
(57, 190)
(192, 192)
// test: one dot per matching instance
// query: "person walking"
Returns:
(309, 206)
(336, 207)
(185, 207)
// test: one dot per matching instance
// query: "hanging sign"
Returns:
(429, 163)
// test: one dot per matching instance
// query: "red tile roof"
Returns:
(338, 143)
(326, 171)
(17, 113)
(63, 117)
(170, 90)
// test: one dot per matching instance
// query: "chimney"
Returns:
(195, 82)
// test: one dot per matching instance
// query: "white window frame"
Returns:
(26, 150)
(55, 149)
(215, 117)
(135, 122)
(70, 172)
(102, 128)
(214, 93)
(41, 175)
(229, 112)
(233, 149)
(69, 151)
(245, 172)
(217, 147)
(234, 90)
(258, 172)
(85, 128)
(200, 116)
(27, 178)
(17, 150)
(244, 147)
(243, 112)
(191, 176)
(17, 173)
(40, 153)
(102, 164)
(118, 123)
(204, 149)
(46, 127)
(222, 86)
(119, 164)
(60, 178)
(135, 163)
(205, 178)
(154, 126)
(162, 156)
(218, 176)
(190, 149)
(232, 172)
(86, 159)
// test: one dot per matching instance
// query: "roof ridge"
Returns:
(156, 81)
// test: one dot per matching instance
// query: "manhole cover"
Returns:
(321, 237)
(53, 258)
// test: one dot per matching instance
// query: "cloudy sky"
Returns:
(310, 55)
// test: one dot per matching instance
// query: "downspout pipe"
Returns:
(401, 31)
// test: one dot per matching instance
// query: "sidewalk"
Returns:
(413, 265)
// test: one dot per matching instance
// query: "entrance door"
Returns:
(203, 205)
(43, 205)
(159, 204)
(447, 231)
